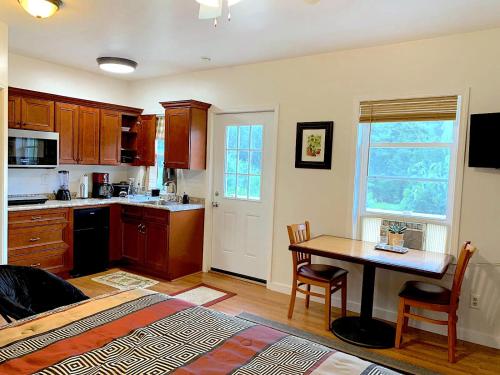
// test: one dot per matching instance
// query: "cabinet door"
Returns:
(110, 138)
(146, 136)
(67, 127)
(177, 124)
(88, 135)
(14, 110)
(156, 246)
(132, 240)
(37, 114)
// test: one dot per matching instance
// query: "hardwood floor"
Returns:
(420, 348)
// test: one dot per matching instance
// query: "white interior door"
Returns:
(243, 201)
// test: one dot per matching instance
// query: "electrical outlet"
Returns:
(474, 301)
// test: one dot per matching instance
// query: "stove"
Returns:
(17, 200)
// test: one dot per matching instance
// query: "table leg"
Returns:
(363, 330)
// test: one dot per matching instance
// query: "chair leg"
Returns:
(344, 296)
(328, 306)
(452, 336)
(292, 299)
(405, 321)
(308, 297)
(399, 326)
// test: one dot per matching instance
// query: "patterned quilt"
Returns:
(143, 332)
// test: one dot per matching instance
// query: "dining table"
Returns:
(364, 330)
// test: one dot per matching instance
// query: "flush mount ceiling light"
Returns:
(41, 8)
(116, 65)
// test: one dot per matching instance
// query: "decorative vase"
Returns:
(395, 239)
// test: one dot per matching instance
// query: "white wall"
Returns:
(28, 73)
(4, 40)
(328, 87)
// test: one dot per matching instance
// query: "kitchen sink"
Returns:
(160, 202)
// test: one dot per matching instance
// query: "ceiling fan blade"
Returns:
(207, 12)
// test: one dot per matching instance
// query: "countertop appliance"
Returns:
(101, 188)
(90, 241)
(63, 194)
(17, 200)
(33, 149)
(119, 187)
(84, 187)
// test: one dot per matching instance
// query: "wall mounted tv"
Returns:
(484, 140)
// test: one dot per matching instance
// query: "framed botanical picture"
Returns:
(313, 147)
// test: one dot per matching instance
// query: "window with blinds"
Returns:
(407, 159)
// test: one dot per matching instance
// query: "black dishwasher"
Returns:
(90, 241)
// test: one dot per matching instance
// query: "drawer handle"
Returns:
(36, 265)
(34, 239)
(36, 218)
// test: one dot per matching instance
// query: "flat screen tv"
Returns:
(484, 140)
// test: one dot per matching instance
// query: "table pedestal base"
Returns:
(369, 333)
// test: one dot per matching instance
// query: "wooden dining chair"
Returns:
(430, 296)
(304, 273)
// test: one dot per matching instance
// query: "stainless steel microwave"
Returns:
(33, 149)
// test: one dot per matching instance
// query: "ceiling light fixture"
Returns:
(116, 65)
(212, 9)
(41, 8)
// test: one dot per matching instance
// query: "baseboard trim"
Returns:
(465, 334)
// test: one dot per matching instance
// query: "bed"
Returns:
(143, 332)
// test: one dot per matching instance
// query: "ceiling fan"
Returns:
(212, 9)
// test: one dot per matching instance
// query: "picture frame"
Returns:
(314, 144)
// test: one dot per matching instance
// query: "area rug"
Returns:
(124, 280)
(341, 346)
(203, 295)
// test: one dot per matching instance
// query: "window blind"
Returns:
(417, 109)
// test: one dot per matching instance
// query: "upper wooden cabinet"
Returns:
(88, 135)
(31, 114)
(67, 117)
(110, 138)
(185, 134)
(146, 135)
(14, 110)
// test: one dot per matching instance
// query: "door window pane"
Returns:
(243, 162)
(230, 185)
(242, 187)
(244, 137)
(254, 188)
(232, 137)
(256, 138)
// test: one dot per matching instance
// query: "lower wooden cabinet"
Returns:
(163, 243)
(40, 238)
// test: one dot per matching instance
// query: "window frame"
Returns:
(363, 151)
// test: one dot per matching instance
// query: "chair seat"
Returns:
(426, 292)
(321, 272)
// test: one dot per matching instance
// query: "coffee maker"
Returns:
(101, 188)
(63, 194)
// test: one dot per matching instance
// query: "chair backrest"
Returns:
(299, 233)
(466, 252)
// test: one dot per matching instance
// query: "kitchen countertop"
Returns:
(75, 203)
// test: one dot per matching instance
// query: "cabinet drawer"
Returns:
(132, 211)
(50, 260)
(33, 218)
(156, 215)
(36, 236)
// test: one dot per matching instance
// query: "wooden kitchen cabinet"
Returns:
(88, 135)
(37, 114)
(41, 238)
(14, 110)
(185, 134)
(146, 136)
(110, 138)
(67, 117)
(163, 243)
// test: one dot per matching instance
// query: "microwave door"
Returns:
(28, 150)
